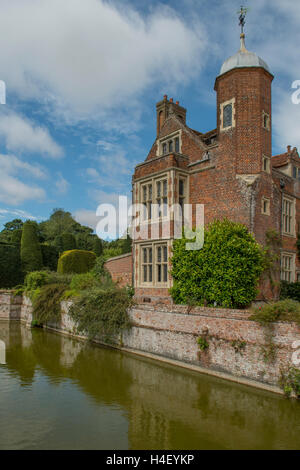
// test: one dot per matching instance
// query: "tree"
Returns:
(225, 272)
(31, 254)
(97, 246)
(12, 232)
(61, 222)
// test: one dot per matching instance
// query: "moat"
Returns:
(60, 393)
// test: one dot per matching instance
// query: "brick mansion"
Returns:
(230, 170)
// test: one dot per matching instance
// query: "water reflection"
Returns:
(2, 352)
(78, 395)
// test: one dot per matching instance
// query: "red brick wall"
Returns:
(120, 269)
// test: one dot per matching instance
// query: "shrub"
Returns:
(46, 305)
(37, 279)
(225, 272)
(83, 281)
(283, 310)
(290, 290)
(31, 255)
(76, 261)
(290, 381)
(50, 257)
(99, 268)
(101, 312)
(10, 266)
(202, 343)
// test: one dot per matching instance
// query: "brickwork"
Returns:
(171, 332)
(120, 269)
(224, 168)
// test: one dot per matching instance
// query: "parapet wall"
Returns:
(238, 348)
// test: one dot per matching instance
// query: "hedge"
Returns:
(31, 254)
(76, 261)
(10, 266)
(50, 257)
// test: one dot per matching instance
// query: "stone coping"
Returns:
(118, 257)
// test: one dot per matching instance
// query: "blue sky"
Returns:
(83, 77)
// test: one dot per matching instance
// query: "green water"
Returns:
(59, 393)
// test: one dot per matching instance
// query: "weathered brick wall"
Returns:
(10, 306)
(173, 333)
(120, 269)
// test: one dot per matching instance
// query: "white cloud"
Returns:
(86, 217)
(12, 165)
(20, 134)
(20, 214)
(62, 185)
(87, 55)
(13, 191)
(286, 121)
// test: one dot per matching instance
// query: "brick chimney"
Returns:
(166, 108)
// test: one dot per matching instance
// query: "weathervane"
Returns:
(242, 12)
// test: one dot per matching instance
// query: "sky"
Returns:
(83, 76)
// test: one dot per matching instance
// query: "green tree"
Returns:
(97, 247)
(61, 222)
(225, 272)
(12, 232)
(31, 254)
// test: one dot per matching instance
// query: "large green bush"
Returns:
(10, 266)
(31, 254)
(76, 261)
(225, 272)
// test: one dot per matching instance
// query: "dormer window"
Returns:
(170, 143)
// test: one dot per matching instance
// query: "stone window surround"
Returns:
(283, 272)
(222, 106)
(266, 160)
(291, 200)
(166, 139)
(154, 245)
(267, 127)
(265, 205)
(153, 180)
